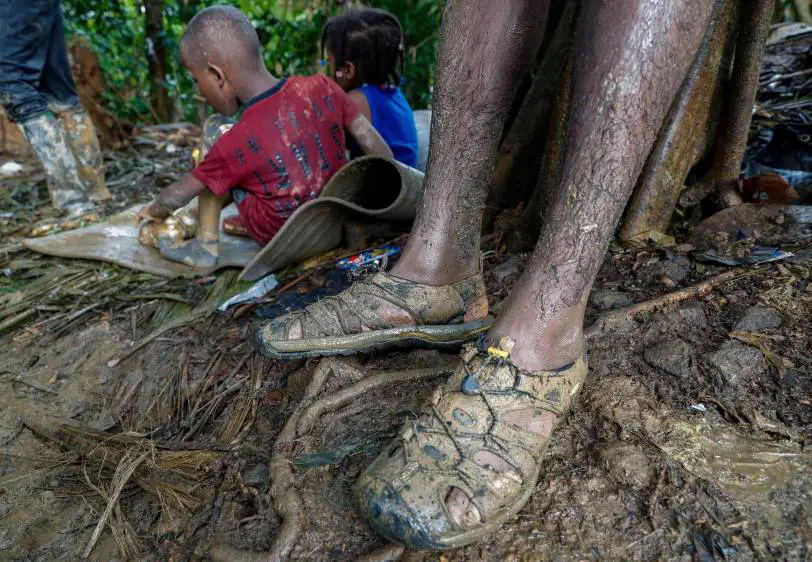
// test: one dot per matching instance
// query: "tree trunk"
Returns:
(156, 57)
(688, 131)
(551, 163)
(511, 168)
(753, 27)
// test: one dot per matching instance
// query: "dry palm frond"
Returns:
(192, 464)
(241, 412)
(112, 515)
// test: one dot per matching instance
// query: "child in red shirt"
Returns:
(288, 143)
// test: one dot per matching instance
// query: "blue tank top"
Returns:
(393, 118)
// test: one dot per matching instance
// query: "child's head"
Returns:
(220, 48)
(363, 46)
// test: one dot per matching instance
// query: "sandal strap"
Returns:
(349, 311)
(462, 426)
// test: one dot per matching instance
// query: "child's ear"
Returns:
(217, 73)
(349, 70)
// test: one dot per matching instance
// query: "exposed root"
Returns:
(284, 493)
(310, 415)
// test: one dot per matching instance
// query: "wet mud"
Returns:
(673, 451)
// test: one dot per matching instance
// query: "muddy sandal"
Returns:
(464, 466)
(380, 312)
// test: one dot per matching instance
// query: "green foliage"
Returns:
(289, 31)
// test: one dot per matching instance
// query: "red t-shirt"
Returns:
(288, 143)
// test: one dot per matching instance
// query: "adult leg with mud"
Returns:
(435, 295)
(471, 458)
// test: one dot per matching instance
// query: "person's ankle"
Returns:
(541, 346)
(436, 276)
(194, 253)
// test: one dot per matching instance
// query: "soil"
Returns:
(688, 442)
(626, 477)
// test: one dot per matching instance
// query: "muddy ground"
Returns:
(689, 441)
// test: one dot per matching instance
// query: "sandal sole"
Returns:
(440, 336)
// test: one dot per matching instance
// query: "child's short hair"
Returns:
(371, 39)
(220, 32)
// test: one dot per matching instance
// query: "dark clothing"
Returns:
(34, 66)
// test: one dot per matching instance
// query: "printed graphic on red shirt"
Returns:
(287, 145)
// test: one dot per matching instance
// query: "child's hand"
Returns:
(154, 212)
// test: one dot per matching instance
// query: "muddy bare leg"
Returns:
(202, 251)
(631, 59)
(485, 48)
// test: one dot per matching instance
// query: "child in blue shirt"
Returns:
(364, 48)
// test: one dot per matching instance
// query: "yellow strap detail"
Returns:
(498, 352)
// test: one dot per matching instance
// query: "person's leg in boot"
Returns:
(471, 458)
(24, 47)
(435, 295)
(57, 84)
(202, 251)
(47, 137)
(84, 143)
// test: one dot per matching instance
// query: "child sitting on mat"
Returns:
(288, 143)
(365, 52)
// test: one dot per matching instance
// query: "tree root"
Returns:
(753, 29)
(687, 132)
(311, 415)
(607, 319)
(284, 493)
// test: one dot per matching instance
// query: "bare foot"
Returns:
(194, 253)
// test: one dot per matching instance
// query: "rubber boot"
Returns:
(49, 141)
(85, 145)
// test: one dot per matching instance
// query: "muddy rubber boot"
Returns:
(85, 145)
(49, 141)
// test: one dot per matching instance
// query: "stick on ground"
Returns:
(692, 292)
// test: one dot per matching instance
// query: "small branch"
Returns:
(703, 288)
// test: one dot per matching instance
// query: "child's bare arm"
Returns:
(173, 197)
(362, 103)
(368, 138)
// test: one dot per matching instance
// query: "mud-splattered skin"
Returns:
(631, 58)
(485, 48)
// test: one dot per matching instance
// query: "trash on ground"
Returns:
(375, 259)
(759, 255)
(11, 168)
(254, 292)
